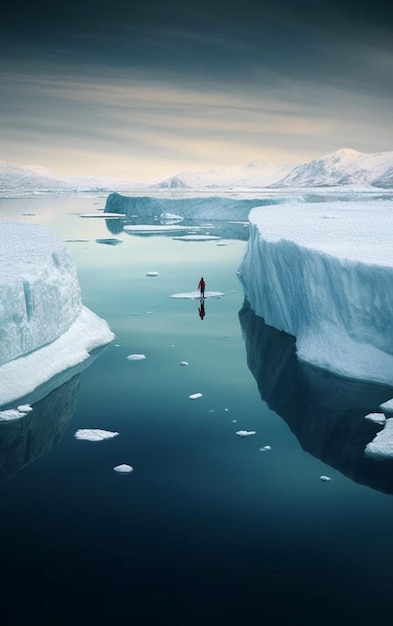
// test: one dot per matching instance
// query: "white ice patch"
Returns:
(381, 447)
(325, 479)
(136, 357)
(103, 215)
(195, 295)
(152, 228)
(183, 363)
(10, 415)
(387, 407)
(378, 418)
(194, 396)
(152, 274)
(94, 434)
(123, 469)
(265, 449)
(196, 238)
(245, 433)
(25, 408)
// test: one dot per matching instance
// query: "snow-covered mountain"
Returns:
(27, 179)
(344, 167)
(248, 176)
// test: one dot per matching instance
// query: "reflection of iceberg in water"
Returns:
(24, 440)
(324, 411)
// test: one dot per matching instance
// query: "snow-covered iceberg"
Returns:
(323, 272)
(44, 327)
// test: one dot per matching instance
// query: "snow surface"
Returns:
(44, 328)
(328, 282)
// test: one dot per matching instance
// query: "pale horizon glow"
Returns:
(153, 93)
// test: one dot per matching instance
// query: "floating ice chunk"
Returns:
(117, 345)
(265, 449)
(226, 410)
(325, 479)
(183, 363)
(10, 415)
(195, 295)
(387, 407)
(381, 447)
(152, 228)
(104, 215)
(378, 418)
(194, 396)
(195, 238)
(245, 433)
(234, 421)
(152, 274)
(123, 469)
(94, 434)
(24, 408)
(171, 217)
(136, 357)
(110, 241)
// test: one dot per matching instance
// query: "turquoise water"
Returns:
(207, 529)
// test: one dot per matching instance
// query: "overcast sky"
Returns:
(145, 89)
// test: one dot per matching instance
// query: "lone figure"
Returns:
(201, 287)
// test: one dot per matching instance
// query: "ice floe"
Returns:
(325, 479)
(152, 274)
(378, 418)
(10, 415)
(195, 295)
(381, 447)
(94, 434)
(245, 433)
(136, 357)
(195, 238)
(265, 449)
(183, 363)
(123, 469)
(194, 396)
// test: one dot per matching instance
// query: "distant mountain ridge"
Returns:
(345, 167)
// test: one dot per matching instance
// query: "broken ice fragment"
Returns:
(94, 434)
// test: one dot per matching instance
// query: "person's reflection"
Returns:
(201, 309)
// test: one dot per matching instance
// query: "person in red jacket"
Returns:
(201, 287)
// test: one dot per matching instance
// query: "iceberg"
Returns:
(323, 272)
(44, 327)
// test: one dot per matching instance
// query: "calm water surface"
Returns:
(207, 529)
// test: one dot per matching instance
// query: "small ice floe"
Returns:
(387, 408)
(226, 410)
(151, 274)
(196, 238)
(381, 447)
(110, 241)
(195, 295)
(378, 418)
(234, 421)
(103, 215)
(123, 469)
(117, 345)
(136, 357)
(10, 415)
(184, 363)
(245, 433)
(265, 449)
(194, 396)
(325, 479)
(171, 217)
(94, 434)
(24, 408)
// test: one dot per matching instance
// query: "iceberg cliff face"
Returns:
(44, 328)
(324, 273)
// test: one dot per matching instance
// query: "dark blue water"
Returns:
(207, 529)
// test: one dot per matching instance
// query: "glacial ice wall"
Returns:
(44, 328)
(39, 289)
(323, 273)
